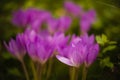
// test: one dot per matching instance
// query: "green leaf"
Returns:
(106, 63)
(7, 56)
(112, 42)
(14, 71)
(108, 48)
(104, 38)
(99, 40)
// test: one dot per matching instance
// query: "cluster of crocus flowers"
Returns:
(81, 49)
(41, 43)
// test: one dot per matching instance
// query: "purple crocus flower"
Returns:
(93, 48)
(81, 49)
(74, 54)
(19, 18)
(59, 25)
(59, 40)
(64, 23)
(17, 47)
(92, 54)
(37, 17)
(39, 49)
(87, 19)
(72, 8)
(32, 18)
(52, 25)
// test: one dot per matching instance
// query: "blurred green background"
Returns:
(107, 29)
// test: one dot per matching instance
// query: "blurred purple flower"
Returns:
(89, 40)
(81, 49)
(39, 49)
(52, 25)
(64, 23)
(32, 18)
(87, 19)
(19, 18)
(93, 48)
(60, 40)
(37, 17)
(74, 54)
(92, 54)
(59, 25)
(17, 47)
(72, 8)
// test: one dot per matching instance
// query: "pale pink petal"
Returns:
(64, 60)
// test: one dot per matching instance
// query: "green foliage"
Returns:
(107, 45)
(14, 72)
(108, 48)
(106, 63)
(7, 56)
(102, 40)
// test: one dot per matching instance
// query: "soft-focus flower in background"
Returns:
(64, 23)
(30, 18)
(72, 8)
(17, 47)
(59, 25)
(37, 17)
(86, 20)
(19, 18)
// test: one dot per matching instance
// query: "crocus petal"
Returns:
(21, 44)
(9, 49)
(85, 38)
(91, 39)
(14, 48)
(32, 51)
(93, 52)
(42, 54)
(75, 40)
(64, 60)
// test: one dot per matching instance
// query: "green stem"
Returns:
(40, 71)
(34, 70)
(73, 73)
(25, 70)
(84, 75)
(49, 68)
(38, 68)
